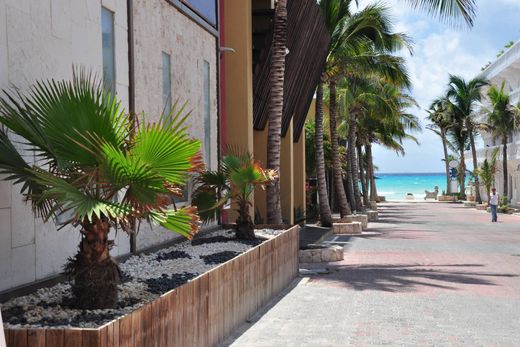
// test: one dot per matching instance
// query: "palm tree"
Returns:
(325, 212)
(335, 13)
(385, 122)
(366, 36)
(440, 124)
(274, 134)
(487, 171)
(89, 173)
(238, 177)
(502, 122)
(464, 95)
(458, 142)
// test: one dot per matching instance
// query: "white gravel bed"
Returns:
(44, 307)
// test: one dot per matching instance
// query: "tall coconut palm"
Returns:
(502, 121)
(323, 196)
(367, 38)
(335, 13)
(274, 135)
(464, 95)
(90, 174)
(385, 122)
(440, 124)
(458, 142)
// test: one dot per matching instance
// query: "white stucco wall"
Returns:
(44, 39)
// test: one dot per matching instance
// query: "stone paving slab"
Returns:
(431, 275)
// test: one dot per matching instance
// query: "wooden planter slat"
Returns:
(54, 337)
(202, 312)
(36, 337)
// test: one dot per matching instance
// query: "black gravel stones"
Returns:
(172, 255)
(219, 258)
(84, 316)
(166, 283)
(14, 315)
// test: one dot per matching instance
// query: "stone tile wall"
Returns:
(45, 39)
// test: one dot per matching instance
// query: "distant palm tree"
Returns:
(464, 95)
(502, 121)
(437, 114)
(487, 171)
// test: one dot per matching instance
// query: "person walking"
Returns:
(493, 204)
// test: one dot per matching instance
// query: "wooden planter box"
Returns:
(202, 312)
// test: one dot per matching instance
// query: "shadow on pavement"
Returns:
(407, 278)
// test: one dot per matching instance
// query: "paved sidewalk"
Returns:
(432, 275)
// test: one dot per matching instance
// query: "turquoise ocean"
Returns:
(395, 186)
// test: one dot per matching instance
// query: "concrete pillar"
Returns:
(237, 78)
(238, 74)
(287, 176)
(300, 198)
(260, 145)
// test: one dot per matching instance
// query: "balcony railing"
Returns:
(502, 62)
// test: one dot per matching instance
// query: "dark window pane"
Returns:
(166, 85)
(206, 8)
(109, 70)
(207, 115)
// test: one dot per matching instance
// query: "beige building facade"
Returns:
(45, 39)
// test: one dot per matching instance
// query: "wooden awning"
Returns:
(307, 41)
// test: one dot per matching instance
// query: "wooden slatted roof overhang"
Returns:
(307, 41)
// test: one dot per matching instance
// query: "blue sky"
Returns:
(438, 51)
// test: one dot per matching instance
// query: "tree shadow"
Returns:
(408, 278)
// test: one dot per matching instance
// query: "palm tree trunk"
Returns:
(341, 197)
(371, 175)
(446, 163)
(325, 214)
(362, 175)
(352, 160)
(348, 188)
(462, 175)
(504, 167)
(245, 229)
(94, 272)
(478, 199)
(274, 210)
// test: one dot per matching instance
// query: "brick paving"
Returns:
(431, 274)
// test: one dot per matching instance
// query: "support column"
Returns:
(300, 195)
(238, 74)
(287, 176)
(237, 89)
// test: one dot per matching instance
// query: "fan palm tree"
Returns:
(502, 121)
(274, 133)
(89, 174)
(440, 125)
(238, 177)
(464, 95)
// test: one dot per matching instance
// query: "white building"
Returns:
(174, 46)
(506, 69)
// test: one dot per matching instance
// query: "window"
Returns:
(166, 82)
(207, 115)
(207, 9)
(109, 69)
